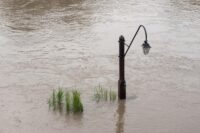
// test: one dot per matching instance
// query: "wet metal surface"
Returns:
(45, 44)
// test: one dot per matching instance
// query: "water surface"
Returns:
(45, 44)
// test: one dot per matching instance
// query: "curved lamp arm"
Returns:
(135, 36)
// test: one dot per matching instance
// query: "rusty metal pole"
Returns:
(121, 81)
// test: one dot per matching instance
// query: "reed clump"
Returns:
(104, 94)
(60, 97)
(77, 104)
(70, 101)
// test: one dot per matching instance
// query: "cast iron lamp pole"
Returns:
(121, 82)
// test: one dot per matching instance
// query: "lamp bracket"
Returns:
(134, 38)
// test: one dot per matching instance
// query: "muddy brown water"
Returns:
(45, 44)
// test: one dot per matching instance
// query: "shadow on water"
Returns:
(120, 116)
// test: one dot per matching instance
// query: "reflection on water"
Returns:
(121, 109)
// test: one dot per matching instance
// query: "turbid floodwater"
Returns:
(45, 44)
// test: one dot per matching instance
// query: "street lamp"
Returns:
(146, 47)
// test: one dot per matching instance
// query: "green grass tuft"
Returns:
(54, 100)
(77, 104)
(103, 94)
(60, 96)
(70, 99)
(113, 95)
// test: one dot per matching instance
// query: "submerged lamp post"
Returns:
(121, 82)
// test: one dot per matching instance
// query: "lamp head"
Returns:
(146, 47)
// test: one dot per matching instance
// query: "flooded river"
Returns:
(45, 44)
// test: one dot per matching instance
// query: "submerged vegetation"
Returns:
(76, 102)
(104, 94)
(69, 101)
(60, 96)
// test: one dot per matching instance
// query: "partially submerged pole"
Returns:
(121, 81)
